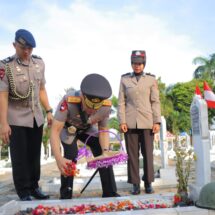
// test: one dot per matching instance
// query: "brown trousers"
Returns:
(136, 139)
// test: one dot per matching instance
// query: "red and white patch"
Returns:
(64, 106)
(2, 73)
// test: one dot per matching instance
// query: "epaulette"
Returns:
(126, 74)
(36, 57)
(7, 60)
(150, 74)
(107, 103)
(74, 99)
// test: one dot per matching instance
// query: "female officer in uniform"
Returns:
(22, 92)
(139, 118)
(85, 111)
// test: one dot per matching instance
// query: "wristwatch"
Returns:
(49, 111)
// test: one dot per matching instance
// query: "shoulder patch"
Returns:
(63, 106)
(36, 57)
(7, 60)
(126, 74)
(74, 99)
(107, 103)
(150, 74)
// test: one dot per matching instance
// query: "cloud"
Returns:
(80, 39)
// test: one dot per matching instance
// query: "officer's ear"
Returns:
(14, 44)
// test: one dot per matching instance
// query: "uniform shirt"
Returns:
(138, 101)
(69, 112)
(23, 112)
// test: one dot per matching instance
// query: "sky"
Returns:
(79, 37)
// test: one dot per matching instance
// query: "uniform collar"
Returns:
(133, 74)
(18, 60)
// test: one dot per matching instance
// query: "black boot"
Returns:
(136, 189)
(66, 187)
(66, 193)
(148, 188)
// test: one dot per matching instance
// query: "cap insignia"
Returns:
(21, 41)
(96, 100)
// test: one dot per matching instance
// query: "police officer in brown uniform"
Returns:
(80, 114)
(139, 116)
(22, 92)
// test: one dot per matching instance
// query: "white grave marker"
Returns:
(201, 143)
(163, 143)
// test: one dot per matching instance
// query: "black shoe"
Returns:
(38, 194)
(148, 188)
(25, 198)
(136, 189)
(113, 194)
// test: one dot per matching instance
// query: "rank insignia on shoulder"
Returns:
(107, 103)
(7, 60)
(36, 57)
(74, 99)
(150, 74)
(2, 73)
(63, 106)
(126, 74)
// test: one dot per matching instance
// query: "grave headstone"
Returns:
(201, 143)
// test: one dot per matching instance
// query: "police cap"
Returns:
(95, 88)
(25, 38)
(138, 56)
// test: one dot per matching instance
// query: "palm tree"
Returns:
(206, 68)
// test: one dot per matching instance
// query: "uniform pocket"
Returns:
(22, 83)
(37, 78)
(37, 75)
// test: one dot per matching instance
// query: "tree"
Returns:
(206, 69)
(113, 121)
(166, 103)
(181, 96)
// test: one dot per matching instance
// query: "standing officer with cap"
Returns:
(139, 117)
(22, 92)
(78, 115)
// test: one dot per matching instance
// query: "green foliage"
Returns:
(181, 96)
(115, 146)
(46, 135)
(4, 150)
(114, 100)
(206, 68)
(166, 103)
(113, 123)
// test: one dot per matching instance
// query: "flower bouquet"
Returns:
(71, 169)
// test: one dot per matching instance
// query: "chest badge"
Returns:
(18, 69)
(37, 68)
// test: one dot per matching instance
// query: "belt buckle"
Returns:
(72, 129)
